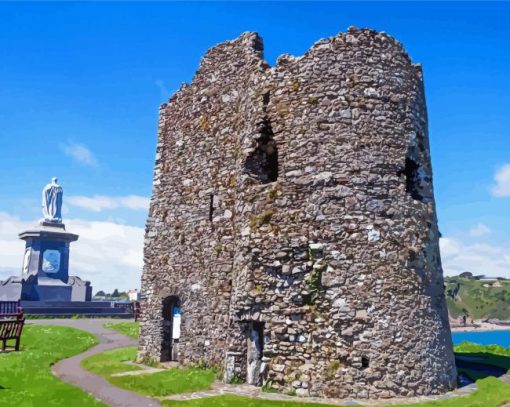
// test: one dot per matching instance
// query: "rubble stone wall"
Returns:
(323, 227)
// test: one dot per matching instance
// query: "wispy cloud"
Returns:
(502, 179)
(163, 91)
(79, 153)
(478, 258)
(108, 254)
(99, 203)
(479, 230)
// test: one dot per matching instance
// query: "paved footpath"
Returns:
(70, 370)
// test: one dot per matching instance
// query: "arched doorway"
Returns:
(171, 329)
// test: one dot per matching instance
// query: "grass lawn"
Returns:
(131, 329)
(166, 383)
(25, 377)
(235, 401)
(491, 391)
(111, 362)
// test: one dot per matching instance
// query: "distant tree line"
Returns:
(116, 294)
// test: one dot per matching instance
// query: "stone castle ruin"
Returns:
(292, 239)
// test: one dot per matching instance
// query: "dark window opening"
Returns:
(171, 329)
(258, 327)
(364, 362)
(262, 163)
(265, 98)
(211, 207)
(421, 145)
(411, 172)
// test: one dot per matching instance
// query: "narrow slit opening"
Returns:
(262, 164)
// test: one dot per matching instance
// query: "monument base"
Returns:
(68, 309)
(50, 289)
(36, 288)
(11, 289)
(45, 274)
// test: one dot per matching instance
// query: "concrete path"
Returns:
(253, 392)
(70, 371)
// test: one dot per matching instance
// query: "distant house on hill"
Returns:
(133, 295)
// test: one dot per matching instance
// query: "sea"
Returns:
(483, 337)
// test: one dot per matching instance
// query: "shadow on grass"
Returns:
(480, 365)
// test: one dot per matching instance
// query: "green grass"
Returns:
(489, 350)
(491, 392)
(111, 362)
(236, 401)
(494, 355)
(25, 377)
(131, 329)
(166, 383)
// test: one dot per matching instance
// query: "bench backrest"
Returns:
(10, 308)
(11, 328)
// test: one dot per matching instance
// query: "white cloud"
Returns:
(11, 248)
(502, 179)
(99, 203)
(108, 254)
(164, 92)
(79, 153)
(478, 258)
(479, 230)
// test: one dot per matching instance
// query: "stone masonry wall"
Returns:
(323, 230)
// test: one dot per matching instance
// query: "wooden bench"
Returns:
(11, 329)
(10, 309)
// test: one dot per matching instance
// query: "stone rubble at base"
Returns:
(297, 202)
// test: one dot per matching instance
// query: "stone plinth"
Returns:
(47, 251)
(45, 273)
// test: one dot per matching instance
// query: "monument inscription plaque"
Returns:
(51, 261)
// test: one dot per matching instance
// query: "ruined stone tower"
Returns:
(292, 234)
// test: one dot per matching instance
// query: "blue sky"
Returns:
(80, 86)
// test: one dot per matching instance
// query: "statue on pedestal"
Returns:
(52, 202)
(45, 273)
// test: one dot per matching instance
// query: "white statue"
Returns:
(52, 202)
